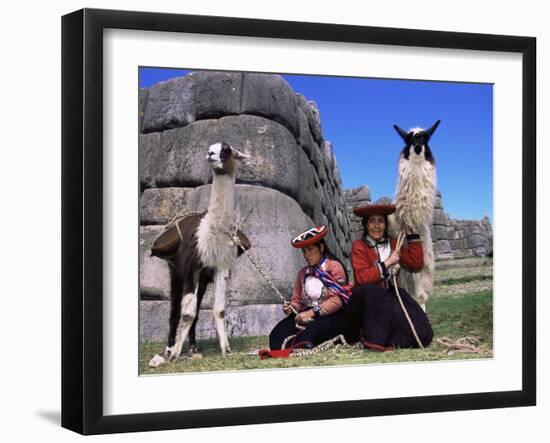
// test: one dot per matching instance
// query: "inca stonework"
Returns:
(451, 238)
(290, 183)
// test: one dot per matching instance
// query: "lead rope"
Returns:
(400, 239)
(237, 241)
(177, 219)
(319, 348)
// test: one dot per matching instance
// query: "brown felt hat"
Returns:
(365, 211)
(310, 237)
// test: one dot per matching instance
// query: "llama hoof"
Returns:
(173, 357)
(226, 351)
(194, 349)
(168, 351)
(171, 354)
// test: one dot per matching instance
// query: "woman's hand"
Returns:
(287, 308)
(392, 259)
(304, 317)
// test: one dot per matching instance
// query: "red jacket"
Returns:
(368, 269)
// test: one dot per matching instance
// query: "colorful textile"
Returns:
(342, 290)
(330, 301)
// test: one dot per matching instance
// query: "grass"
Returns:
(469, 314)
(465, 279)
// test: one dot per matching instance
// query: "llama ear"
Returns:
(238, 155)
(430, 131)
(400, 131)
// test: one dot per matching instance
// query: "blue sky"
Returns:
(358, 114)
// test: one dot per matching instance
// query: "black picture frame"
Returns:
(82, 218)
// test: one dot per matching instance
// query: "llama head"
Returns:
(222, 156)
(416, 143)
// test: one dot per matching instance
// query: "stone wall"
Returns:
(460, 238)
(451, 238)
(290, 183)
(356, 198)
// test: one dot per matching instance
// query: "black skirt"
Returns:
(375, 316)
(318, 331)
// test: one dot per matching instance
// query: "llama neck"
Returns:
(415, 194)
(222, 199)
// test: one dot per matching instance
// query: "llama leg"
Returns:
(424, 285)
(203, 283)
(425, 278)
(220, 286)
(188, 312)
(176, 292)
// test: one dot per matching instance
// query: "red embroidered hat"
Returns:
(381, 209)
(310, 237)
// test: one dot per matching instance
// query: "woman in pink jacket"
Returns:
(320, 291)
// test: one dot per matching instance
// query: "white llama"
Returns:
(414, 201)
(200, 250)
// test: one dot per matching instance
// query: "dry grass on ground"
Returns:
(462, 306)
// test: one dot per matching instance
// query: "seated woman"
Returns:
(320, 291)
(374, 313)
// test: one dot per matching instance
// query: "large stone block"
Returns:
(196, 96)
(308, 198)
(439, 233)
(476, 241)
(311, 148)
(154, 277)
(359, 196)
(328, 150)
(457, 244)
(270, 96)
(311, 112)
(162, 205)
(251, 320)
(442, 247)
(315, 122)
(440, 218)
(437, 202)
(272, 149)
(270, 219)
(149, 147)
(142, 103)
(182, 158)
(305, 137)
(337, 177)
(476, 228)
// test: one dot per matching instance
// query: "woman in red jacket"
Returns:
(374, 313)
(320, 291)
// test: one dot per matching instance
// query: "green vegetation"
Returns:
(452, 314)
(467, 279)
